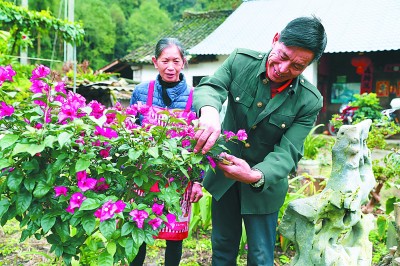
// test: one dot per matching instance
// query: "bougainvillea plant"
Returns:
(82, 175)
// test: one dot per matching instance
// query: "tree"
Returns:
(99, 43)
(146, 23)
(22, 24)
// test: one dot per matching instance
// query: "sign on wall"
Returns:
(344, 92)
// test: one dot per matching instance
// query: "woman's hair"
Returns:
(307, 33)
(167, 42)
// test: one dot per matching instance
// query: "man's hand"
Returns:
(209, 129)
(239, 170)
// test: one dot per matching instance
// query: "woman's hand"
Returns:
(197, 192)
(209, 129)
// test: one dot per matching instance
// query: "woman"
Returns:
(169, 90)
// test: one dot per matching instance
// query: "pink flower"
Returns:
(40, 72)
(108, 210)
(157, 208)
(60, 191)
(101, 185)
(105, 153)
(5, 110)
(228, 135)
(139, 216)
(132, 110)
(171, 218)
(155, 223)
(110, 118)
(155, 188)
(185, 143)
(81, 175)
(97, 109)
(241, 135)
(211, 161)
(87, 184)
(75, 202)
(106, 132)
(39, 86)
(60, 87)
(6, 73)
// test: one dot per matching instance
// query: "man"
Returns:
(272, 101)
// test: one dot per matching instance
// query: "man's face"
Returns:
(285, 62)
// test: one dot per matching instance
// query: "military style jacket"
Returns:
(276, 128)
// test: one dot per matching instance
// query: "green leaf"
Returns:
(131, 249)
(64, 138)
(196, 158)
(7, 141)
(30, 165)
(127, 228)
(107, 228)
(82, 164)
(89, 224)
(4, 205)
(112, 248)
(24, 199)
(4, 163)
(105, 259)
(29, 184)
(47, 222)
(153, 151)
(168, 154)
(41, 189)
(90, 204)
(14, 181)
(49, 140)
(32, 149)
(134, 154)
(390, 204)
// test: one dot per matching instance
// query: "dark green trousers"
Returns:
(227, 231)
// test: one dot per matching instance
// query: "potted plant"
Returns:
(310, 166)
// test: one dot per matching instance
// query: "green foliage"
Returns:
(146, 23)
(368, 107)
(378, 238)
(100, 38)
(387, 169)
(201, 214)
(65, 164)
(313, 143)
(20, 22)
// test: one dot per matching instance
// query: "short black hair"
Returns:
(167, 42)
(307, 33)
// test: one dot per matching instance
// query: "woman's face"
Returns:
(169, 64)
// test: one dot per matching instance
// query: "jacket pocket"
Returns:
(241, 96)
(275, 127)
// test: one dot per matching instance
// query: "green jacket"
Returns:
(276, 128)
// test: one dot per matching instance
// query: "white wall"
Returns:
(208, 68)
(190, 70)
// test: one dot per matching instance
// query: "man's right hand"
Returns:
(209, 129)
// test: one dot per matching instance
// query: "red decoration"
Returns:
(361, 63)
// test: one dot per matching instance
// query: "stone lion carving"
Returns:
(329, 228)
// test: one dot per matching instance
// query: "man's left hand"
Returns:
(239, 170)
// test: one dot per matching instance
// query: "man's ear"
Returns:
(154, 61)
(276, 38)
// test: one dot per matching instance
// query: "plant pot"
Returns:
(309, 167)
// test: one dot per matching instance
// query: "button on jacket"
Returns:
(276, 128)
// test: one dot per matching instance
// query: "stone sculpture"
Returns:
(329, 228)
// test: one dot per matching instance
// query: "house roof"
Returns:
(190, 30)
(351, 25)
